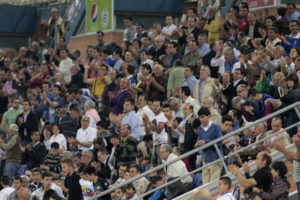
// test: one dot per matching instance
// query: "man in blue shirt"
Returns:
(208, 132)
(203, 46)
(230, 59)
(291, 12)
(190, 80)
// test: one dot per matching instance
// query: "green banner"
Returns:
(99, 15)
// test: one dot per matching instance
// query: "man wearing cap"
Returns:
(140, 32)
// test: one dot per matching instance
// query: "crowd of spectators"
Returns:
(73, 126)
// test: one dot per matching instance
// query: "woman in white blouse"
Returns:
(58, 137)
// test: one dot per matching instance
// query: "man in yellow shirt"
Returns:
(99, 83)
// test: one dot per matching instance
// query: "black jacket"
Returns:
(35, 157)
(256, 34)
(31, 125)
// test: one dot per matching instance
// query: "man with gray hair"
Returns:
(215, 116)
(90, 111)
(13, 151)
(230, 59)
(176, 169)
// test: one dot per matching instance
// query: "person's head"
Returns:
(128, 105)
(236, 102)
(124, 83)
(23, 193)
(47, 180)
(294, 53)
(35, 136)
(85, 122)
(243, 9)
(128, 21)
(278, 169)
(169, 20)
(90, 173)
(100, 36)
(294, 26)
(36, 175)
(67, 166)
(164, 151)
(135, 170)
(74, 113)
(201, 194)
(278, 77)
(263, 159)
(17, 182)
(142, 101)
(102, 154)
(15, 103)
(148, 140)
(290, 8)
(184, 92)
(56, 129)
(227, 77)
(158, 70)
(167, 110)
(26, 105)
(25, 181)
(46, 87)
(234, 114)
(207, 102)
(260, 128)
(191, 22)
(188, 71)
(193, 46)
(54, 13)
(130, 191)
(190, 37)
(272, 33)
(251, 18)
(122, 169)
(156, 106)
(211, 12)
(13, 129)
(187, 110)
(224, 184)
(5, 181)
(202, 39)
(204, 72)
(63, 53)
(56, 90)
(125, 130)
(228, 54)
(227, 123)
(87, 157)
(276, 124)
(242, 91)
(172, 48)
(159, 41)
(77, 158)
(146, 69)
(204, 115)
(54, 148)
(255, 196)
(269, 21)
(292, 81)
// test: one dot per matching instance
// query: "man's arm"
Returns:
(243, 180)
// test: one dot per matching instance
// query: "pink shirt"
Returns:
(7, 88)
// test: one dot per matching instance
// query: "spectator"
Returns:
(129, 32)
(193, 55)
(243, 12)
(10, 116)
(262, 178)
(47, 183)
(12, 148)
(140, 31)
(35, 152)
(203, 47)
(71, 185)
(101, 42)
(141, 183)
(208, 132)
(224, 188)
(7, 192)
(105, 165)
(160, 48)
(215, 116)
(192, 27)
(90, 111)
(36, 183)
(99, 184)
(155, 125)
(252, 26)
(157, 84)
(175, 78)
(143, 110)
(213, 25)
(170, 30)
(203, 88)
(291, 12)
(185, 96)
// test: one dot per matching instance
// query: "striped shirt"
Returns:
(53, 162)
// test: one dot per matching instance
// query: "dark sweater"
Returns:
(35, 157)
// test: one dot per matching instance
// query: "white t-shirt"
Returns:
(226, 196)
(169, 29)
(5, 192)
(162, 137)
(60, 139)
(145, 110)
(87, 135)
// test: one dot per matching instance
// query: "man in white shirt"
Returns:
(7, 191)
(156, 126)
(185, 96)
(85, 136)
(169, 31)
(65, 66)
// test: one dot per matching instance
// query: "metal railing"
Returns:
(214, 142)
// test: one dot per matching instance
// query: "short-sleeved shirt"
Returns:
(263, 178)
(10, 116)
(72, 183)
(98, 86)
(86, 135)
(162, 137)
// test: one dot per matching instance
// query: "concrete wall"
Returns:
(81, 42)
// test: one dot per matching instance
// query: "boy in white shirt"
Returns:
(224, 189)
